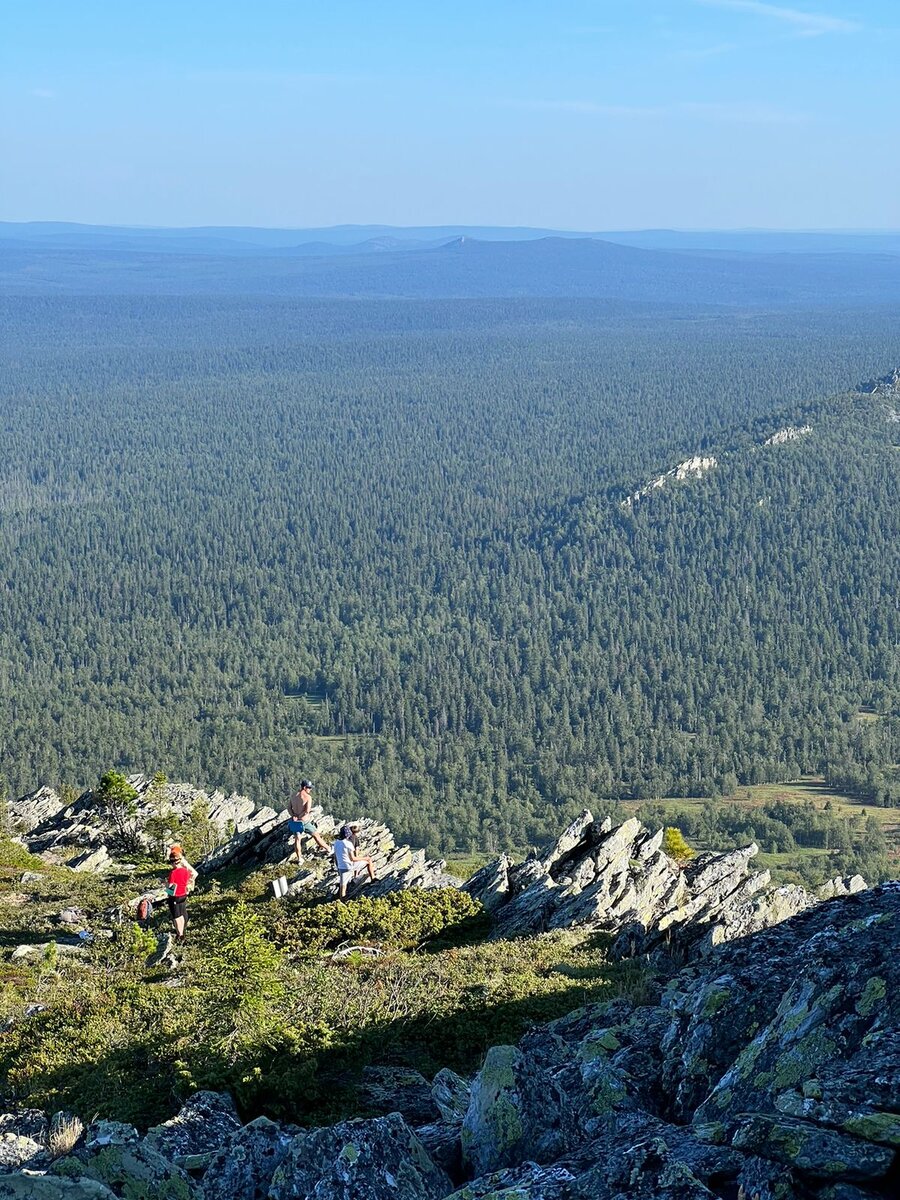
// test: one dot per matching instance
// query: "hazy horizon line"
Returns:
(348, 225)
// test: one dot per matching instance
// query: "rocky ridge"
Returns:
(77, 835)
(620, 880)
(694, 467)
(768, 1067)
(790, 433)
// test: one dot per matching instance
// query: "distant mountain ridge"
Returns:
(335, 239)
(461, 267)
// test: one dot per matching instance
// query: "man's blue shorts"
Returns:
(301, 826)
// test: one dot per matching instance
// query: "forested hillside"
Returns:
(384, 545)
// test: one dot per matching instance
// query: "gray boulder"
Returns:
(27, 1122)
(109, 1133)
(380, 1159)
(385, 1090)
(243, 1166)
(813, 1151)
(21, 1153)
(127, 1168)
(450, 1094)
(200, 1128)
(525, 1106)
(48, 1187)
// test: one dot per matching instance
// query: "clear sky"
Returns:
(608, 114)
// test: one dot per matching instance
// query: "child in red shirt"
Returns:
(181, 881)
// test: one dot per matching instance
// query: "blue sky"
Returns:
(602, 115)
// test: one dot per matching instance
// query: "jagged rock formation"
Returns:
(251, 835)
(397, 867)
(768, 1067)
(887, 385)
(692, 468)
(790, 433)
(81, 836)
(35, 808)
(620, 880)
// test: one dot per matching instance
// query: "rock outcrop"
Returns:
(250, 835)
(397, 867)
(620, 880)
(692, 468)
(70, 832)
(887, 385)
(772, 1065)
(790, 433)
(34, 808)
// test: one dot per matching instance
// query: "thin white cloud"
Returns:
(43, 93)
(272, 78)
(710, 51)
(806, 24)
(736, 113)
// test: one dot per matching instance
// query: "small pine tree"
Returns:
(245, 978)
(162, 827)
(675, 846)
(115, 798)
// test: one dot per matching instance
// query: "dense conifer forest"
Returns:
(383, 544)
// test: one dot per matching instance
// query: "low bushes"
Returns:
(403, 920)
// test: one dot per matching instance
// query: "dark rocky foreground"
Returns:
(769, 1067)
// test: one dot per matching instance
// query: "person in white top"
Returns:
(349, 863)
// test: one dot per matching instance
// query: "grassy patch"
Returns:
(261, 1007)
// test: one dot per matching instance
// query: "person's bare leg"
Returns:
(370, 868)
(320, 842)
(179, 927)
(298, 853)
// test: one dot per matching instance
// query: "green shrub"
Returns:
(17, 858)
(403, 919)
(675, 846)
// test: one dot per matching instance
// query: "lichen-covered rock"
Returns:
(813, 1151)
(526, 1182)
(21, 1153)
(450, 1094)
(243, 1167)
(27, 1123)
(50, 1187)
(201, 1127)
(535, 1102)
(648, 1161)
(493, 1132)
(385, 1090)
(131, 1171)
(109, 1133)
(379, 1159)
(839, 1003)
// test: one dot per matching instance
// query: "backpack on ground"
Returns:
(144, 910)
